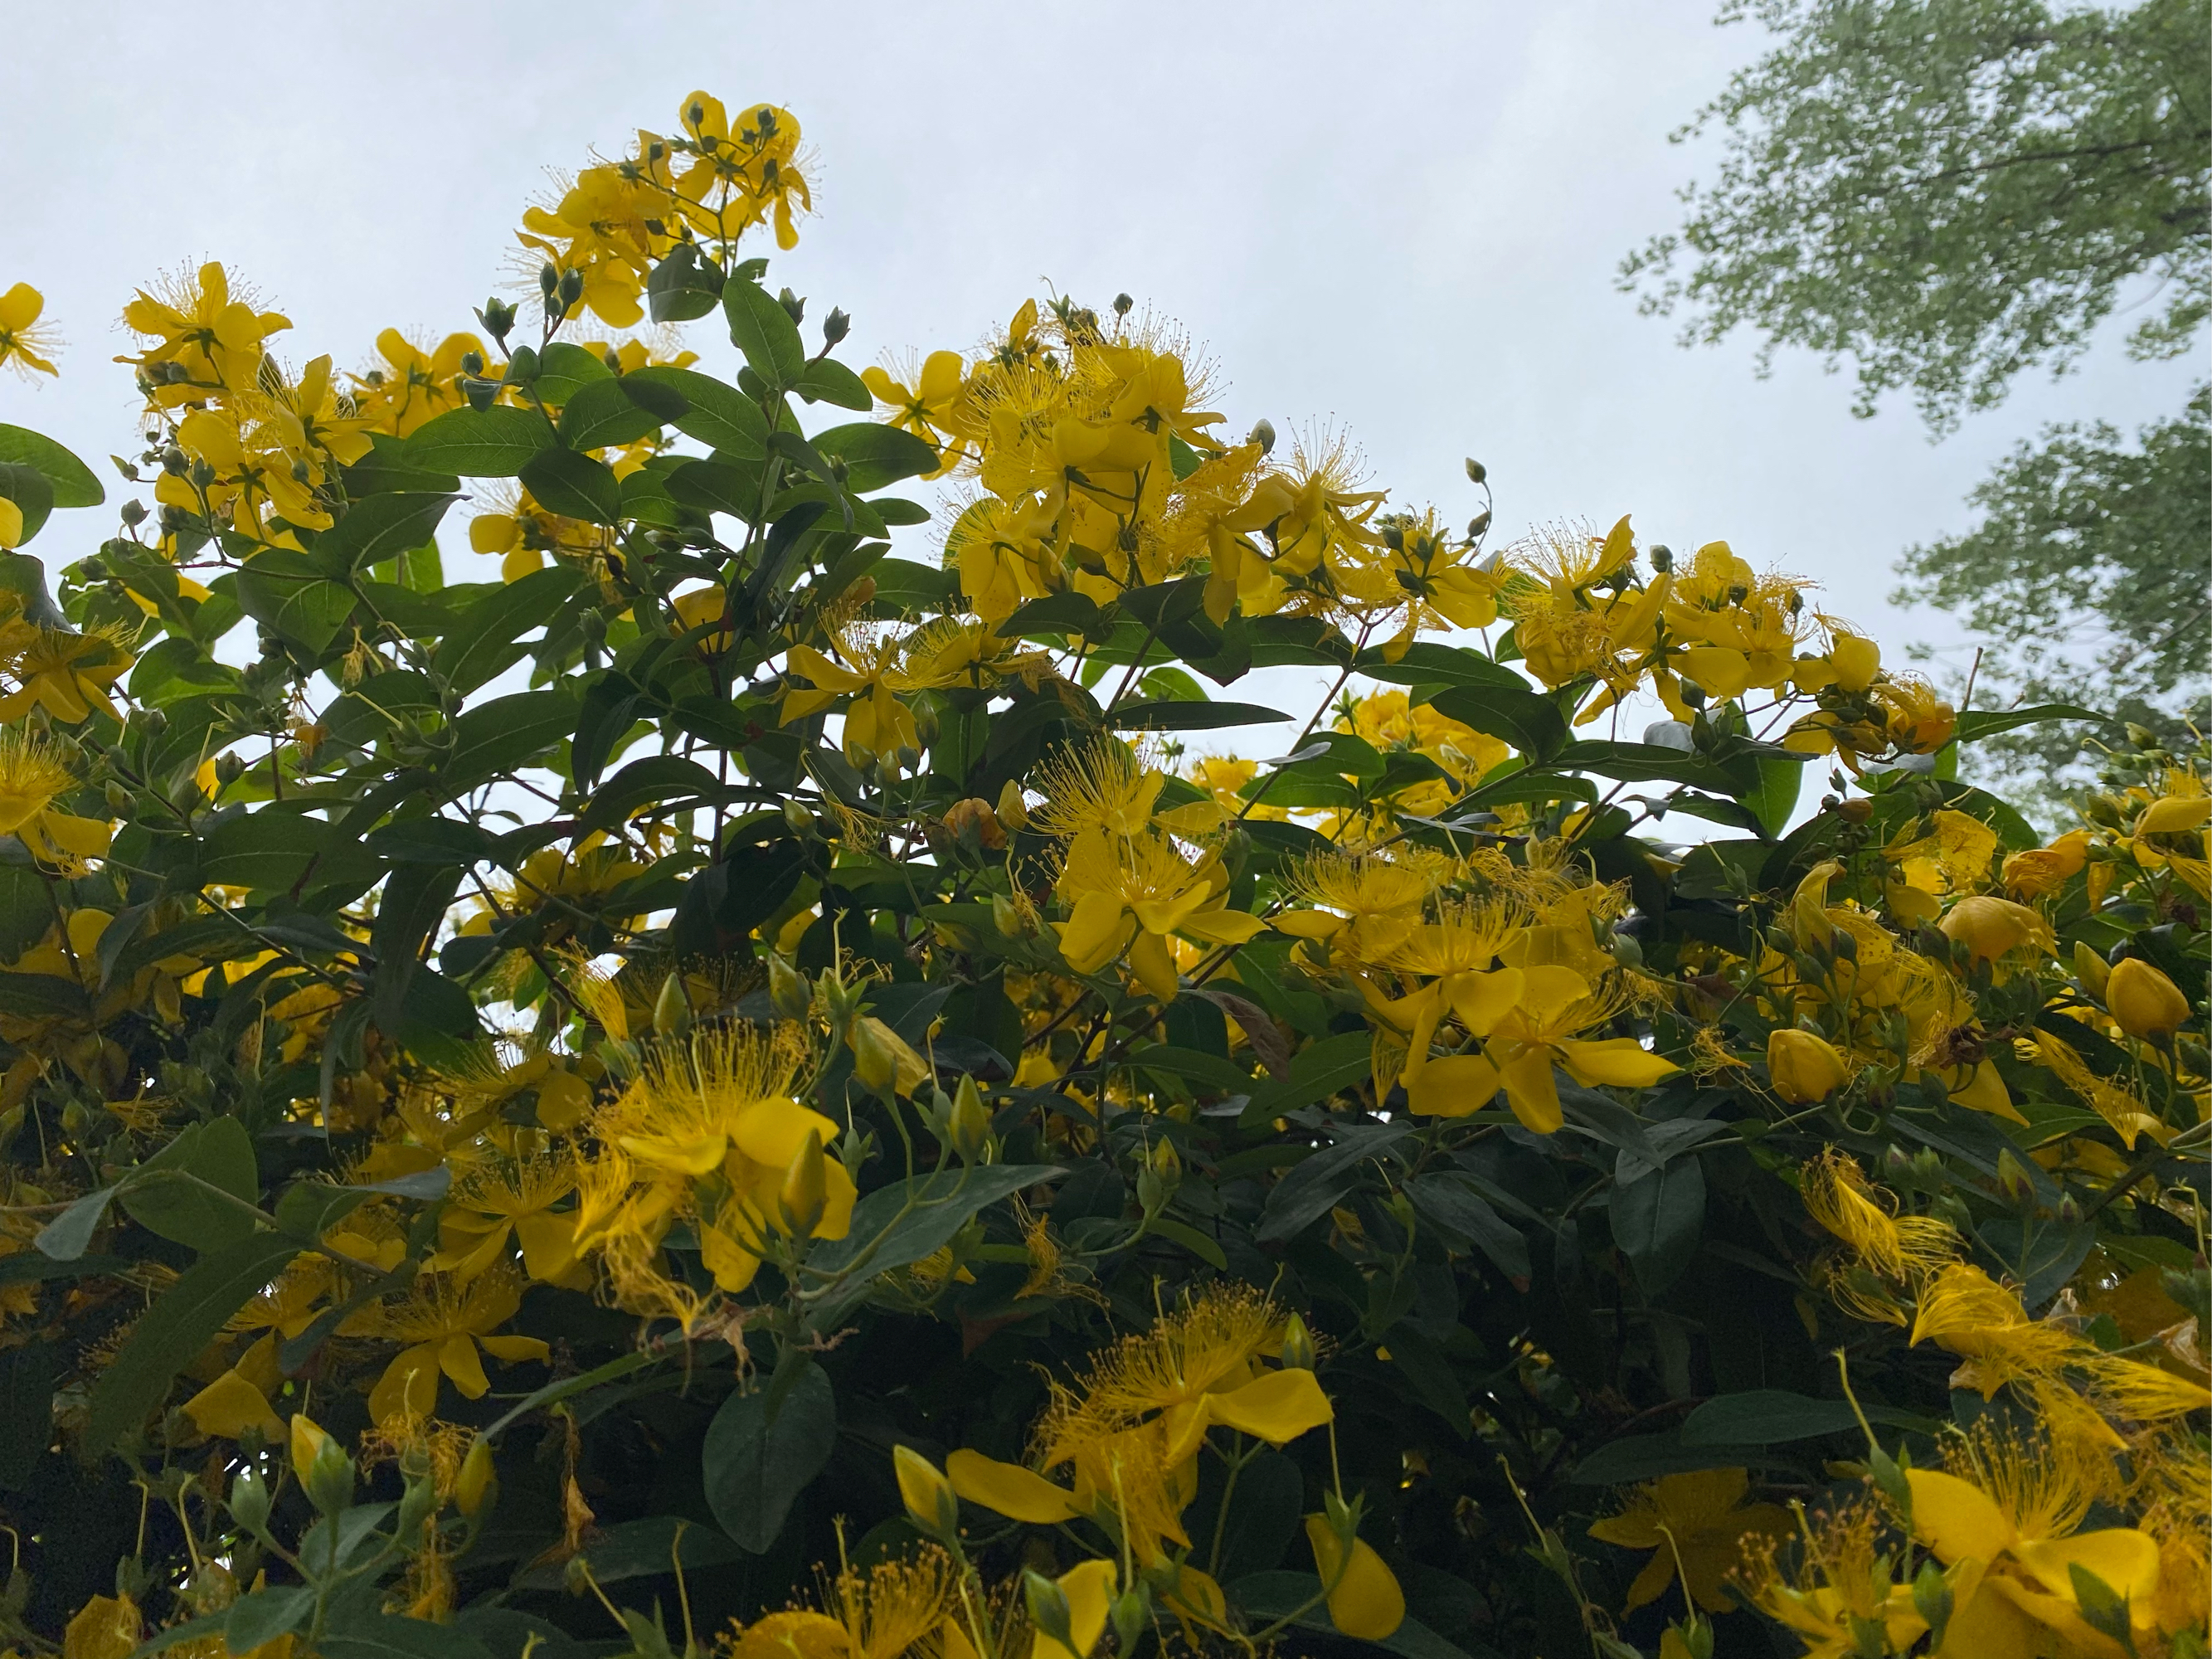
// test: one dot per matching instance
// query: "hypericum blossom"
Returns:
(25, 344)
(1700, 1518)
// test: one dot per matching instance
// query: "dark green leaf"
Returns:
(484, 641)
(606, 413)
(219, 1153)
(266, 1614)
(292, 594)
(717, 414)
(761, 329)
(1316, 1185)
(381, 527)
(683, 286)
(1182, 716)
(757, 1460)
(1658, 1219)
(369, 1635)
(1449, 1202)
(575, 486)
(183, 1319)
(1769, 1417)
(33, 495)
(876, 456)
(826, 381)
(480, 443)
(914, 1219)
(1318, 1071)
(1978, 723)
(69, 481)
(1532, 723)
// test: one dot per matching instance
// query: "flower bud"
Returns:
(321, 1465)
(249, 1500)
(1931, 1599)
(2143, 1001)
(969, 1122)
(836, 326)
(787, 988)
(478, 1485)
(1047, 1608)
(1476, 472)
(2013, 1176)
(1008, 917)
(1298, 1346)
(805, 1189)
(930, 1500)
(671, 1009)
(873, 1062)
(1122, 304)
(2092, 970)
(794, 306)
(1263, 433)
(1012, 812)
(798, 819)
(418, 1502)
(1804, 1068)
(1130, 1612)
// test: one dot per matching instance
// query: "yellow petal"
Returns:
(459, 1360)
(1956, 1518)
(2125, 1558)
(1010, 1490)
(229, 1406)
(1622, 1061)
(1530, 1089)
(1453, 1087)
(1366, 1602)
(1088, 1589)
(1481, 1000)
(1277, 1408)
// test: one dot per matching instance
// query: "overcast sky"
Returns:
(1403, 220)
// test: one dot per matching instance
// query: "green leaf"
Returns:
(1653, 763)
(1658, 1219)
(876, 456)
(1769, 1417)
(718, 487)
(218, 1151)
(69, 481)
(1191, 1239)
(484, 641)
(605, 413)
(41, 995)
(575, 486)
(717, 414)
(644, 1548)
(1309, 1190)
(388, 466)
(761, 329)
(1449, 1202)
(1318, 1071)
(1532, 723)
(292, 594)
(498, 737)
(1178, 715)
(826, 381)
(266, 1614)
(183, 1319)
(564, 369)
(33, 495)
(480, 443)
(764, 1448)
(683, 286)
(1775, 798)
(381, 527)
(263, 850)
(914, 1219)
(66, 1238)
(1978, 723)
(364, 1634)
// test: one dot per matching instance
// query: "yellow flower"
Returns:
(1701, 1517)
(2012, 1506)
(2144, 1002)
(495, 1202)
(1133, 893)
(1090, 1589)
(1842, 1588)
(1535, 1034)
(24, 345)
(105, 1627)
(442, 1326)
(1364, 1601)
(1900, 1250)
(1805, 1067)
(31, 775)
(412, 386)
(1990, 927)
(65, 672)
(923, 407)
(212, 334)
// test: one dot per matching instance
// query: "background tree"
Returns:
(1949, 192)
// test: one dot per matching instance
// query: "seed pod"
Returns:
(969, 1123)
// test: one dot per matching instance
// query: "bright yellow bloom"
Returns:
(2144, 1002)
(24, 345)
(493, 1203)
(1702, 1517)
(211, 334)
(442, 1325)
(1805, 1067)
(65, 672)
(1991, 927)
(105, 1627)
(1364, 1601)
(31, 776)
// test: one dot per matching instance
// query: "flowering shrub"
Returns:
(729, 1091)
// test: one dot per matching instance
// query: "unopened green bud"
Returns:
(836, 326)
(794, 306)
(418, 1502)
(787, 988)
(1931, 1599)
(671, 1009)
(873, 1061)
(1298, 1346)
(1132, 1609)
(1047, 1608)
(2013, 1176)
(249, 1500)
(328, 1480)
(798, 819)
(1263, 433)
(1476, 472)
(969, 1122)
(805, 1191)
